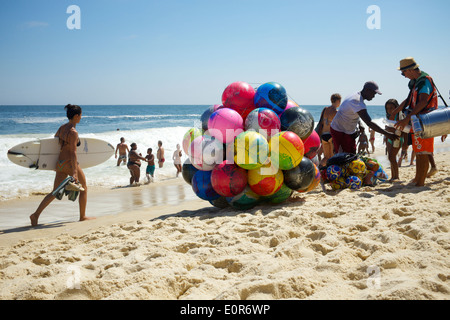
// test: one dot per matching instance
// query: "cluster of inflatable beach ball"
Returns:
(350, 171)
(256, 146)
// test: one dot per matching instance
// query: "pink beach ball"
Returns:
(225, 124)
(291, 104)
(205, 152)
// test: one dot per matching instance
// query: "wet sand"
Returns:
(119, 204)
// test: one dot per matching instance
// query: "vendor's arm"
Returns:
(372, 125)
(422, 103)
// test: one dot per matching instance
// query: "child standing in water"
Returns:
(150, 171)
(363, 141)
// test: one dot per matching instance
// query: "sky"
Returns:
(188, 51)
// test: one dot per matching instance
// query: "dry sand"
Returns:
(385, 242)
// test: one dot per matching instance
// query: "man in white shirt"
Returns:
(344, 126)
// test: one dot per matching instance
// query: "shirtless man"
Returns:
(122, 148)
(160, 154)
(326, 118)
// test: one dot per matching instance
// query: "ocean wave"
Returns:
(145, 116)
(36, 120)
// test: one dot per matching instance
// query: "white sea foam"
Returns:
(17, 181)
(34, 120)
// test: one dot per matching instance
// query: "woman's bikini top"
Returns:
(64, 141)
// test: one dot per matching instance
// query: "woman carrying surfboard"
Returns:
(67, 164)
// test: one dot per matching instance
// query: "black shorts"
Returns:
(326, 137)
(409, 142)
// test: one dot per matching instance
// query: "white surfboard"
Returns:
(43, 154)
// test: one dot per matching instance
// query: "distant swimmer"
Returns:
(160, 154)
(177, 159)
(123, 149)
(134, 164)
(67, 164)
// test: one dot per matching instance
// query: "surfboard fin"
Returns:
(21, 155)
(35, 165)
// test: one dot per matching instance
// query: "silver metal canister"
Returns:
(433, 124)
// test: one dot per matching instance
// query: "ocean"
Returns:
(142, 124)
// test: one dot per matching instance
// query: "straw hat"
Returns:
(408, 63)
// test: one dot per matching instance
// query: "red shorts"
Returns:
(344, 141)
(422, 146)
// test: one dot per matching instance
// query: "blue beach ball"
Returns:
(201, 184)
(334, 172)
(271, 95)
(353, 182)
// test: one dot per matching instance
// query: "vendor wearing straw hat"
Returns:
(422, 99)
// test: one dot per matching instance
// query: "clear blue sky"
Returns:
(188, 51)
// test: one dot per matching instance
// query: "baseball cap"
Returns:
(373, 86)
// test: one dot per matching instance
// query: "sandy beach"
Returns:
(385, 242)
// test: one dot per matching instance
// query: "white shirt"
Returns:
(347, 117)
(176, 157)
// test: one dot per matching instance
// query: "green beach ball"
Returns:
(280, 196)
(246, 200)
(189, 136)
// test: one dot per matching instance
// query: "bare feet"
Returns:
(34, 220)
(87, 218)
(432, 172)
